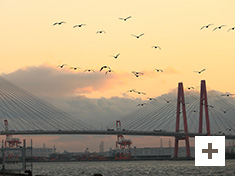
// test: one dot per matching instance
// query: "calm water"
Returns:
(132, 168)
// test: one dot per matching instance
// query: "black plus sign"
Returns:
(209, 150)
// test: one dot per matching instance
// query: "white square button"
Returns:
(209, 150)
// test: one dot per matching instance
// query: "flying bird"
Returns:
(141, 104)
(109, 71)
(62, 66)
(79, 25)
(124, 19)
(100, 32)
(227, 95)
(105, 66)
(140, 92)
(115, 56)
(59, 23)
(207, 26)
(199, 72)
(190, 88)
(151, 99)
(131, 90)
(224, 111)
(138, 36)
(209, 106)
(219, 27)
(137, 74)
(168, 101)
(156, 47)
(231, 29)
(89, 70)
(74, 68)
(158, 70)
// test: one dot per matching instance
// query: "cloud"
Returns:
(98, 112)
(45, 80)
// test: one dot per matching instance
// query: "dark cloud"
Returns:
(97, 112)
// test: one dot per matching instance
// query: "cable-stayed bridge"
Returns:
(30, 114)
(189, 114)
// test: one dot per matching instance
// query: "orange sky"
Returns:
(28, 39)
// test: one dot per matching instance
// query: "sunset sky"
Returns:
(32, 48)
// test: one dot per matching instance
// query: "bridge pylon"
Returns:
(204, 102)
(181, 101)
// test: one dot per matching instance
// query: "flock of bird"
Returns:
(218, 27)
(107, 69)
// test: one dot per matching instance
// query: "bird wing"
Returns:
(202, 27)
(104, 32)
(141, 34)
(159, 47)
(203, 70)
(134, 35)
(55, 24)
(121, 18)
(117, 54)
(140, 73)
(215, 28)
(101, 68)
(128, 17)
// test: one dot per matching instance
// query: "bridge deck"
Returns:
(106, 132)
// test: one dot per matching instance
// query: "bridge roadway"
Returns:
(109, 132)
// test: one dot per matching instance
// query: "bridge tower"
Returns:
(122, 145)
(181, 101)
(204, 102)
